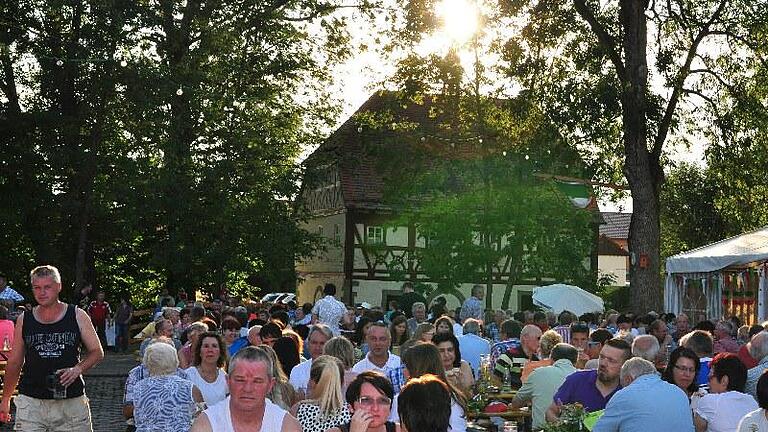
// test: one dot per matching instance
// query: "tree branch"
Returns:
(606, 40)
(666, 121)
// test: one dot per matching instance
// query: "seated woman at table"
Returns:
(458, 371)
(370, 395)
(682, 369)
(725, 405)
(422, 359)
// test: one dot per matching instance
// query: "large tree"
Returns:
(627, 78)
(150, 144)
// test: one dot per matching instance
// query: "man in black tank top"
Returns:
(46, 348)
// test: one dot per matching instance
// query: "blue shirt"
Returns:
(472, 347)
(648, 404)
(581, 387)
(472, 308)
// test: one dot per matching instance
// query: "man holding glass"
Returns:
(46, 348)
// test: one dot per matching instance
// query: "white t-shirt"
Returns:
(754, 422)
(299, 378)
(393, 362)
(722, 411)
(212, 392)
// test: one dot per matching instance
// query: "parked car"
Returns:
(282, 298)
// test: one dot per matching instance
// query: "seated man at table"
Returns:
(513, 360)
(593, 388)
(645, 403)
(543, 382)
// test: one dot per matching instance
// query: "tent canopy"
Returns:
(735, 251)
(560, 297)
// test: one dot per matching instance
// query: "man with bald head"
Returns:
(518, 355)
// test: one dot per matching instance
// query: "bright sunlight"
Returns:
(460, 19)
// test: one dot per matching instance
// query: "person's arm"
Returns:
(699, 423)
(13, 368)
(201, 424)
(467, 379)
(290, 424)
(523, 396)
(553, 413)
(197, 395)
(127, 410)
(92, 344)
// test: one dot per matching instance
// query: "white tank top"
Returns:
(221, 419)
(213, 392)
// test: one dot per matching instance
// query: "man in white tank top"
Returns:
(247, 407)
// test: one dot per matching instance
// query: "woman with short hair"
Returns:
(424, 404)
(326, 408)
(725, 405)
(444, 324)
(370, 395)
(682, 370)
(163, 402)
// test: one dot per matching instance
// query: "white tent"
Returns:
(560, 297)
(745, 250)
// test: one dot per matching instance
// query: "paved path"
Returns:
(104, 385)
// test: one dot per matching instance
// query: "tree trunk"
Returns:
(641, 169)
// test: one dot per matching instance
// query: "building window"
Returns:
(337, 233)
(375, 235)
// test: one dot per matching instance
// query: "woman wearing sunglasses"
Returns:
(370, 395)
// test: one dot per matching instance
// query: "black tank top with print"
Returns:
(49, 347)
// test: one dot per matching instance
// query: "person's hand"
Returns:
(360, 421)
(70, 375)
(5, 411)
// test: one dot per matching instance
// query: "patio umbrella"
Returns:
(560, 297)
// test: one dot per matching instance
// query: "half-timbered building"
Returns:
(365, 256)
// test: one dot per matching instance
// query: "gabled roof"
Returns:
(616, 225)
(361, 175)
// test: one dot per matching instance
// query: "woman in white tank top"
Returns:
(207, 373)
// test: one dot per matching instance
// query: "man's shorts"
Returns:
(66, 415)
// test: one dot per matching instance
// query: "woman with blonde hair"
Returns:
(341, 348)
(326, 408)
(282, 393)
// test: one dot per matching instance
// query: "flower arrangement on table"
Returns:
(571, 419)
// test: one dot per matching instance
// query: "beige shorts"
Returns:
(65, 415)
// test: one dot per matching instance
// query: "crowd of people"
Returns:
(415, 366)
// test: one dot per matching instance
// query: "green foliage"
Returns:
(154, 144)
